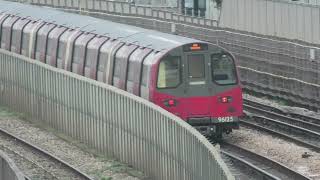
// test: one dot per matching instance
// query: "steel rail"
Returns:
(286, 119)
(265, 167)
(287, 137)
(45, 153)
(290, 115)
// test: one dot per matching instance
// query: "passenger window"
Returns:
(223, 69)
(15, 40)
(117, 66)
(196, 64)
(131, 73)
(40, 44)
(50, 48)
(77, 54)
(145, 74)
(25, 44)
(169, 74)
(102, 61)
(91, 55)
(61, 49)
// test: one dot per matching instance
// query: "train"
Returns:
(193, 79)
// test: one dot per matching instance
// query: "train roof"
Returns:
(126, 33)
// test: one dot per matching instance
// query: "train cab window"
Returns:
(169, 75)
(196, 63)
(223, 69)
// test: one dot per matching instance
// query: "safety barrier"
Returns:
(8, 170)
(109, 120)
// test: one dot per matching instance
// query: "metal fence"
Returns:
(273, 18)
(8, 170)
(112, 121)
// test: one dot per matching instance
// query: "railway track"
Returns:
(306, 122)
(246, 164)
(36, 163)
(304, 130)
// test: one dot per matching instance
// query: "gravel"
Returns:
(70, 151)
(279, 150)
(284, 108)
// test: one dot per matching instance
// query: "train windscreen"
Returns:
(223, 69)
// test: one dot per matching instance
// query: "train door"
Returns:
(197, 86)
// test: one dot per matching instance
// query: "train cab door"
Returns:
(197, 88)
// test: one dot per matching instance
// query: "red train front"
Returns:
(199, 83)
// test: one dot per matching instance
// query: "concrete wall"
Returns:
(273, 18)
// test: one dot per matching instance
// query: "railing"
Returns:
(8, 170)
(109, 120)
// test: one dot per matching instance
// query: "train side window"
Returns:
(77, 55)
(25, 44)
(169, 72)
(117, 67)
(50, 49)
(39, 46)
(61, 51)
(145, 75)
(131, 72)
(15, 40)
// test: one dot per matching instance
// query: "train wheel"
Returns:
(217, 135)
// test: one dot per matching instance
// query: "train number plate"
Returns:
(225, 119)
